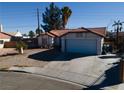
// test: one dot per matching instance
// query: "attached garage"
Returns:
(87, 42)
(84, 46)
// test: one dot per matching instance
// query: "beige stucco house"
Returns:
(83, 40)
(45, 40)
(4, 38)
(15, 34)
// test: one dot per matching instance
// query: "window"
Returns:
(1, 41)
(79, 35)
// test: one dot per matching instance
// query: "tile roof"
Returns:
(47, 33)
(11, 33)
(4, 35)
(99, 31)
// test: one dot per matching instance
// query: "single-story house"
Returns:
(7, 39)
(4, 38)
(45, 40)
(111, 38)
(83, 40)
(15, 34)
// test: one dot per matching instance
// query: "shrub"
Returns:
(20, 44)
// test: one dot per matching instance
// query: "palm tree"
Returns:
(118, 28)
(66, 13)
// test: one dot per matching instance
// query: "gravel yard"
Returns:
(21, 60)
(8, 51)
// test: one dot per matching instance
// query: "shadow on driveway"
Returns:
(111, 78)
(108, 56)
(54, 55)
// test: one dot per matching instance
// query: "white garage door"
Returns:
(85, 46)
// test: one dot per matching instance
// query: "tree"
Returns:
(38, 31)
(31, 34)
(24, 34)
(66, 13)
(117, 28)
(52, 18)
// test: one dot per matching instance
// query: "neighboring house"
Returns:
(121, 37)
(111, 39)
(25, 36)
(45, 40)
(4, 38)
(15, 34)
(8, 39)
(83, 40)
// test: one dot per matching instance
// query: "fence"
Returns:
(11, 44)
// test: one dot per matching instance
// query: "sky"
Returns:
(22, 16)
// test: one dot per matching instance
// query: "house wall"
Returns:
(87, 35)
(4, 40)
(48, 40)
(84, 35)
(57, 41)
(39, 41)
(1, 45)
(102, 43)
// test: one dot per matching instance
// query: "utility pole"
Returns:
(38, 19)
(117, 35)
(38, 31)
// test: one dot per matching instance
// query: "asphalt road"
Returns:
(25, 81)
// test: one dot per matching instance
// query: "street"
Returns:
(25, 81)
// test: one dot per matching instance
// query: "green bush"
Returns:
(20, 44)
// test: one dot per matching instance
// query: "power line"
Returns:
(21, 14)
(22, 25)
(18, 16)
(24, 6)
(40, 13)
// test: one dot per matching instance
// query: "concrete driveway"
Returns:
(79, 69)
(74, 68)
